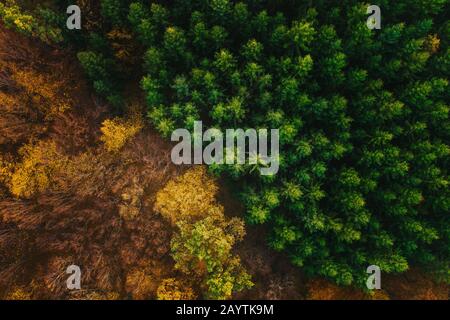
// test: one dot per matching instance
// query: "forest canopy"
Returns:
(363, 114)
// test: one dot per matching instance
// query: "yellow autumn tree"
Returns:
(191, 195)
(29, 101)
(432, 43)
(204, 250)
(94, 295)
(142, 282)
(6, 170)
(43, 91)
(40, 161)
(116, 132)
(202, 247)
(173, 289)
(18, 293)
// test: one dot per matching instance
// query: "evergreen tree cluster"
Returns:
(363, 117)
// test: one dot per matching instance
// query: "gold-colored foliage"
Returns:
(189, 196)
(379, 295)
(28, 101)
(203, 246)
(75, 219)
(18, 122)
(34, 173)
(18, 294)
(6, 170)
(432, 43)
(122, 43)
(207, 243)
(204, 250)
(142, 282)
(116, 132)
(94, 295)
(321, 289)
(43, 92)
(174, 289)
(34, 89)
(7, 100)
(231, 278)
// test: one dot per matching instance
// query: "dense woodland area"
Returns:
(86, 176)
